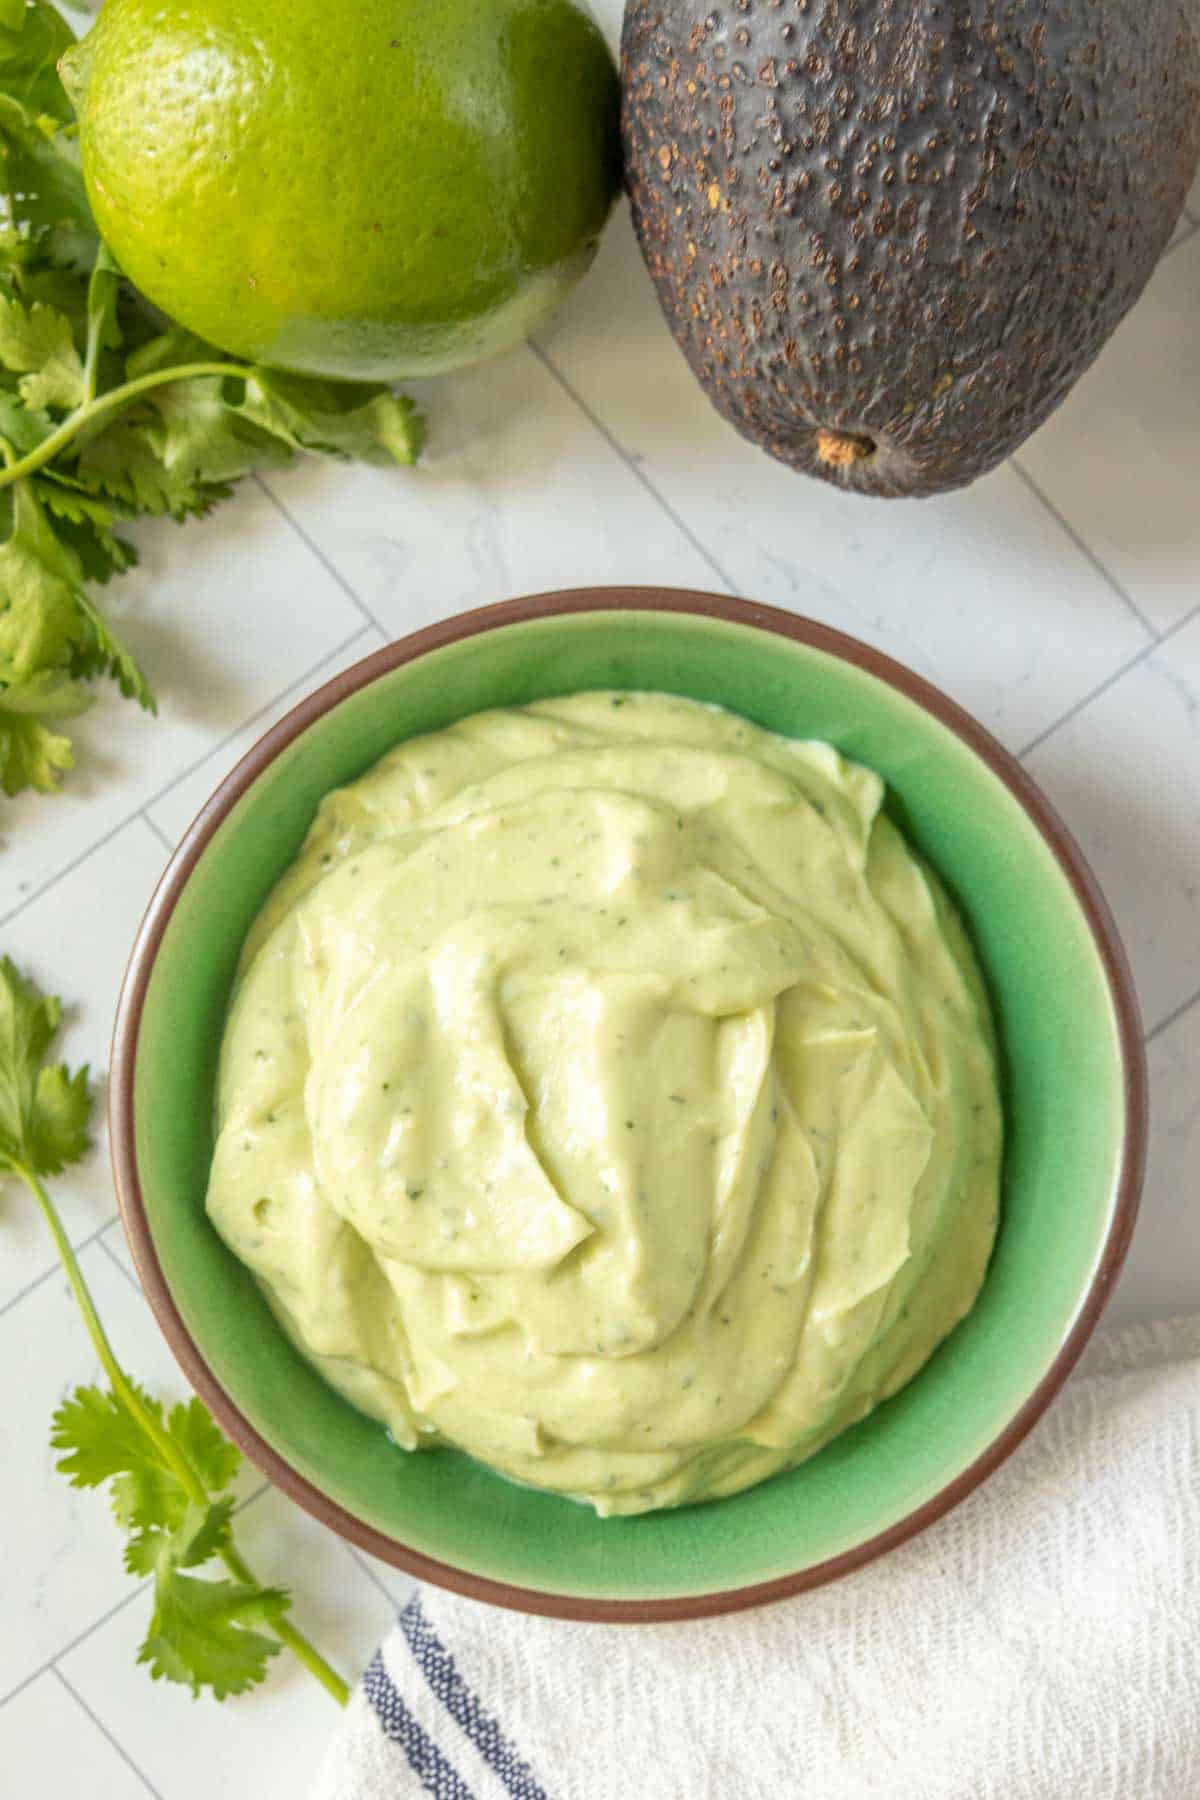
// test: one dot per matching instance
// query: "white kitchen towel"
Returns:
(1042, 1642)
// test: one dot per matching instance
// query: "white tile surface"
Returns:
(113, 1240)
(262, 1744)
(44, 1728)
(1125, 773)
(1192, 205)
(173, 812)
(592, 458)
(394, 1582)
(109, 888)
(1118, 459)
(517, 494)
(62, 1552)
(223, 619)
(1162, 1276)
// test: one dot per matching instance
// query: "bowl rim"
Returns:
(562, 602)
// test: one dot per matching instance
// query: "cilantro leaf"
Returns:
(124, 460)
(37, 343)
(104, 653)
(59, 1127)
(48, 620)
(32, 753)
(202, 442)
(179, 450)
(100, 1435)
(145, 1549)
(210, 1453)
(198, 1534)
(44, 214)
(166, 1474)
(63, 289)
(103, 297)
(39, 580)
(86, 523)
(120, 460)
(106, 1442)
(32, 39)
(271, 413)
(362, 420)
(22, 426)
(44, 1111)
(173, 348)
(204, 1531)
(148, 1501)
(203, 1634)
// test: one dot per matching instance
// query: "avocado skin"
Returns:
(889, 235)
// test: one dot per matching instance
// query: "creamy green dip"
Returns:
(610, 1091)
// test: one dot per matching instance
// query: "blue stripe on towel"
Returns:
(440, 1671)
(438, 1777)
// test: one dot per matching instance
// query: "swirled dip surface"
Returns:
(609, 1091)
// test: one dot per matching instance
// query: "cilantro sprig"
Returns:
(168, 1474)
(110, 412)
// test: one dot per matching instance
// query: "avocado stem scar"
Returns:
(841, 449)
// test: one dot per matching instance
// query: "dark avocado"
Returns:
(890, 234)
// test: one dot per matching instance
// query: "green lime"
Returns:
(356, 188)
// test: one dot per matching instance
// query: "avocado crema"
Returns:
(609, 1091)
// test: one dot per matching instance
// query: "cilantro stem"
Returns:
(91, 1318)
(99, 407)
(175, 1459)
(91, 369)
(305, 1653)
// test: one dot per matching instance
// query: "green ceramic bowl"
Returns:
(1074, 1082)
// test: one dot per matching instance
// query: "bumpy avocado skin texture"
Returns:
(889, 235)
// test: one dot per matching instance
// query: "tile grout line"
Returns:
(368, 1571)
(96, 1625)
(116, 1262)
(330, 568)
(55, 1267)
(1082, 546)
(301, 680)
(1173, 1018)
(638, 473)
(51, 1662)
(264, 1487)
(75, 862)
(182, 776)
(1110, 681)
(162, 837)
(101, 1727)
